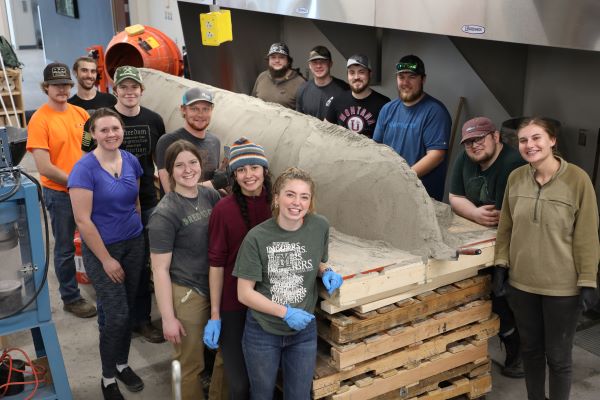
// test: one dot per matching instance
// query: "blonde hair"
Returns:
(291, 174)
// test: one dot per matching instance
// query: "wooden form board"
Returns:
(375, 273)
(350, 326)
(328, 379)
(344, 356)
(380, 385)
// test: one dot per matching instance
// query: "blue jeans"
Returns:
(63, 229)
(264, 352)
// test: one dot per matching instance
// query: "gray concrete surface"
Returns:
(79, 337)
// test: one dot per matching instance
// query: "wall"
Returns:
(160, 14)
(565, 85)
(66, 38)
(22, 14)
(4, 29)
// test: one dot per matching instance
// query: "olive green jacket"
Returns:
(548, 235)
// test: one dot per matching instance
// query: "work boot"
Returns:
(80, 308)
(513, 365)
(111, 392)
(149, 332)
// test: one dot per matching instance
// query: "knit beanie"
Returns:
(244, 152)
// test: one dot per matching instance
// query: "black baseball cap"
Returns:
(411, 63)
(57, 74)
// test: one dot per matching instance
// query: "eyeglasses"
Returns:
(407, 66)
(476, 141)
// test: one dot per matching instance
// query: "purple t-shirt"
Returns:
(114, 199)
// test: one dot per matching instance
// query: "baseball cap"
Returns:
(411, 63)
(319, 53)
(57, 74)
(197, 94)
(128, 72)
(477, 127)
(279, 48)
(359, 59)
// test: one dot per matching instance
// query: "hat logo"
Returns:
(59, 71)
(127, 70)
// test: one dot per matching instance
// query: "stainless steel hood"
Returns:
(573, 24)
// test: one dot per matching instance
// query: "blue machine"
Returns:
(24, 298)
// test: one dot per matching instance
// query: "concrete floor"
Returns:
(79, 337)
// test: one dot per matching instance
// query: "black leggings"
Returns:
(232, 330)
(116, 298)
(547, 327)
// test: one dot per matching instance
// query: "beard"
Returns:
(483, 156)
(86, 84)
(363, 86)
(278, 73)
(412, 96)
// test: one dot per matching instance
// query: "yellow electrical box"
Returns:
(216, 27)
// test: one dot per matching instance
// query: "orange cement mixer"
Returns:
(143, 46)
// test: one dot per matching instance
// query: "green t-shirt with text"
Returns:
(284, 265)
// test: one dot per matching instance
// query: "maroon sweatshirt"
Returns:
(226, 231)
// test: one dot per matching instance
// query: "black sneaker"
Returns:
(132, 382)
(111, 392)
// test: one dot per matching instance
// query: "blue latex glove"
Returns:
(296, 318)
(332, 280)
(212, 331)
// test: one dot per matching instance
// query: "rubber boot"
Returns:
(513, 365)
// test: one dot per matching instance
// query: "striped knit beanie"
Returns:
(244, 152)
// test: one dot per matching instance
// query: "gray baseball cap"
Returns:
(359, 59)
(197, 94)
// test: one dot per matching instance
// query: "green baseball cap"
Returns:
(128, 72)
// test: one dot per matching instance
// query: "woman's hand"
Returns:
(113, 270)
(173, 330)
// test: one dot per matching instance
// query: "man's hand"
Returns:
(486, 215)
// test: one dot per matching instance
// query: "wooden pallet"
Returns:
(328, 379)
(478, 374)
(352, 325)
(344, 356)
(367, 387)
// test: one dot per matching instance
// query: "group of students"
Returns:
(263, 248)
